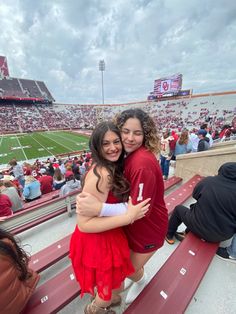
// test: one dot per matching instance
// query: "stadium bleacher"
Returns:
(175, 114)
(172, 293)
(14, 88)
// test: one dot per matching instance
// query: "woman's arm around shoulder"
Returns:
(100, 224)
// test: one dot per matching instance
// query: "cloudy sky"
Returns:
(61, 42)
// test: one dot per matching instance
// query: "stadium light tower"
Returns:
(102, 69)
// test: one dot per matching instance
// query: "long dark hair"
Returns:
(151, 139)
(118, 184)
(16, 253)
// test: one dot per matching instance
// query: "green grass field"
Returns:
(40, 144)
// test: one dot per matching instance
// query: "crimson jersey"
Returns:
(143, 172)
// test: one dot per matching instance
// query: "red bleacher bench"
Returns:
(172, 181)
(54, 294)
(174, 285)
(50, 255)
(180, 195)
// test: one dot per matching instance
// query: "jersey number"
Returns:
(140, 194)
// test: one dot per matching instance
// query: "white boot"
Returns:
(128, 283)
(136, 288)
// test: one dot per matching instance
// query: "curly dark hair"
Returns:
(119, 186)
(151, 139)
(16, 253)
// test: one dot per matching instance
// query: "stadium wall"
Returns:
(205, 163)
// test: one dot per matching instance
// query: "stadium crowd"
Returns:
(28, 182)
(175, 115)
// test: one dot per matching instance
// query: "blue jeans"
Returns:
(165, 165)
(232, 248)
(21, 180)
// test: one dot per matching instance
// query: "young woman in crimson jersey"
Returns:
(98, 249)
(142, 170)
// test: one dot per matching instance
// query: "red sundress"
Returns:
(100, 260)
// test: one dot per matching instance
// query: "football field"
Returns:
(40, 144)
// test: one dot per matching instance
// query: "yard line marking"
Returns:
(64, 138)
(70, 149)
(42, 146)
(21, 147)
(1, 140)
(68, 139)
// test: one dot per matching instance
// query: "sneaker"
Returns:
(169, 239)
(180, 236)
(136, 289)
(223, 254)
(128, 283)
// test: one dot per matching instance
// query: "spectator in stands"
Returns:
(62, 166)
(31, 190)
(215, 135)
(208, 135)
(46, 181)
(50, 169)
(82, 168)
(234, 125)
(71, 184)
(87, 163)
(146, 236)
(37, 163)
(9, 189)
(17, 280)
(194, 139)
(228, 130)
(99, 249)
(183, 145)
(35, 172)
(18, 172)
(75, 168)
(213, 216)
(172, 143)
(203, 143)
(5, 205)
(27, 168)
(228, 253)
(55, 163)
(58, 179)
(15, 183)
(165, 154)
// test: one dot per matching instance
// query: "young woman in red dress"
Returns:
(99, 249)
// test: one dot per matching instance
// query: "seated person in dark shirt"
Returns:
(203, 143)
(213, 216)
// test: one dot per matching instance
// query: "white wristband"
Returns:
(113, 209)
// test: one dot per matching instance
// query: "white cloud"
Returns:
(61, 43)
